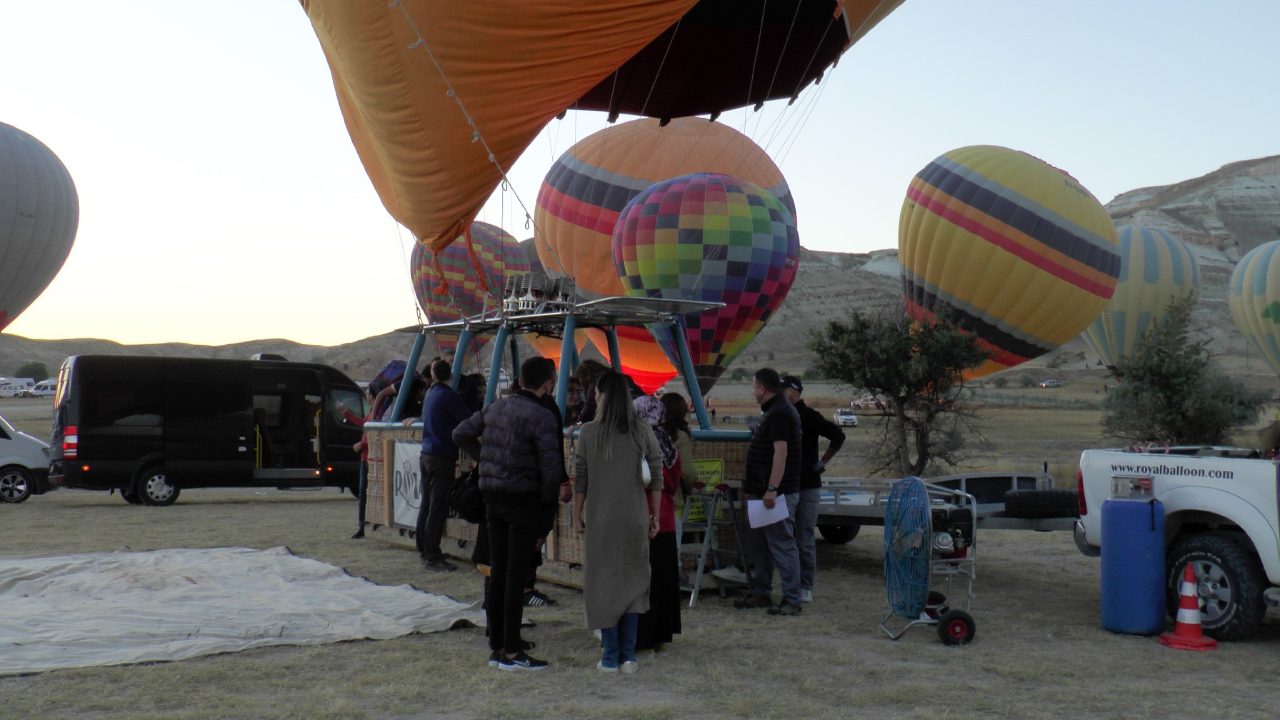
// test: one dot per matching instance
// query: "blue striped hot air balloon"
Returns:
(1156, 269)
(1254, 297)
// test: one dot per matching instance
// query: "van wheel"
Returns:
(154, 488)
(15, 484)
(130, 496)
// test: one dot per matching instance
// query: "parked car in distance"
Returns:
(867, 402)
(845, 417)
(1050, 383)
(44, 388)
(24, 464)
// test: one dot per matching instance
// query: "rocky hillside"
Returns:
(1222, 214)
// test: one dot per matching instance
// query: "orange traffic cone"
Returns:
(1186, 628)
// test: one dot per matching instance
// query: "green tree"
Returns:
(1171, 390)
(917, 369)
(34, 370)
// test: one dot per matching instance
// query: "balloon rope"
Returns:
(755, 60)
(662, 64)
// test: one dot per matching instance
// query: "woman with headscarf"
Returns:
(621, 517)
(662, 622)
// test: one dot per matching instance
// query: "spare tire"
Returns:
(1041, 503)
(839, 534)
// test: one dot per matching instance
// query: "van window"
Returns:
(206, 399)
(273, 409)
(352, 400)
(124, 403)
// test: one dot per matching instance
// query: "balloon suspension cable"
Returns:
(661, 65)
(451, 92)
(777, 66)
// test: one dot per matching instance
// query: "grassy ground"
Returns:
(1039, 652)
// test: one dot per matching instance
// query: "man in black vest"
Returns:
(805, 510)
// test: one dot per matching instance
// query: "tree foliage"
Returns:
(1171, 391)
(35, 370)
(917, 369)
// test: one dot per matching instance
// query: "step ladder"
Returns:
(709, 512)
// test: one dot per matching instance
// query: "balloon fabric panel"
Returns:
(1015, 250)
(1254, 298)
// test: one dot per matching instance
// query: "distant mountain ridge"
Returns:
(1222, 214)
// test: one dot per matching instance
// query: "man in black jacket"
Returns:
(521, 465)
(812, 427)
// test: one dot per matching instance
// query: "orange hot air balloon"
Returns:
(441, 97)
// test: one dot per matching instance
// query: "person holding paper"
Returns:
(804, 504)
(773, 473)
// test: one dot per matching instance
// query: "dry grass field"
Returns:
(1039, 652)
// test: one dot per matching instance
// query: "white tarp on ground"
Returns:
(113, 608)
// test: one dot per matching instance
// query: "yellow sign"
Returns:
(710, 474)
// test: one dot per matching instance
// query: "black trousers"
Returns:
(437, 481)
(514, 522)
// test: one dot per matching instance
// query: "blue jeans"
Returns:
(805, 511)
(769, 547)
(619, 641)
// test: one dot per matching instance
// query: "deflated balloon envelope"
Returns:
(1013, 249)
(714, 238)
(1156, 269)
(39, 214)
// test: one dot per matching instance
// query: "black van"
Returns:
(150, 426)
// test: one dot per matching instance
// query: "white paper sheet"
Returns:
(759, 515)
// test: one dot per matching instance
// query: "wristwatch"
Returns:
(771, 489)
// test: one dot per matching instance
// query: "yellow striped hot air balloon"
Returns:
(1013, 249)
(1156, 269)
(1254, 297)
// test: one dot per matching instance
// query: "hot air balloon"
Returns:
(39, 213)
(1253, 293)
(440, 98)
(1013, 249)
(714, 238)
(1156, 269)
(458, 283)
(586, 189)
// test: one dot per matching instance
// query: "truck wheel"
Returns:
(154, 488)
(130, 496)
(1229, 583)
(1041, 503)
(839, 534)
(15, 484)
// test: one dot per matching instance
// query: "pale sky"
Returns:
(221, 199)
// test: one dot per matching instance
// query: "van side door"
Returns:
(208, 423)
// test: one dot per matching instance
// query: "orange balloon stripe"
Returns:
(1005, 238)
(995, 354)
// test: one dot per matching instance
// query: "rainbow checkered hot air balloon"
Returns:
(1253, 294)
(589, 185)
(709, 237)
(1155, 270)
(453, 289)
(1014, 249)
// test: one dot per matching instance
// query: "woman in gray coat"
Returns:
(619, 520)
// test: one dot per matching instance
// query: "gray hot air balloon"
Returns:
(39, 212)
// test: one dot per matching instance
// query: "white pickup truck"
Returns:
(1221, 512)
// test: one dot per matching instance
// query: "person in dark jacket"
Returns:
(521, 466)
(442, 411)
(812, 426)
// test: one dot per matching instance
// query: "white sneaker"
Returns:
(629, 667)
(806, 596)
(605, 668)
(731, 574)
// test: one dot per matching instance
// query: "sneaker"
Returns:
(521, 662)
(730, 574)
(629, 667)
(606, 668)
(751, 602)
(785, 609)
(440, 565)
(495, 657)
(806, 596)
(533, 598)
